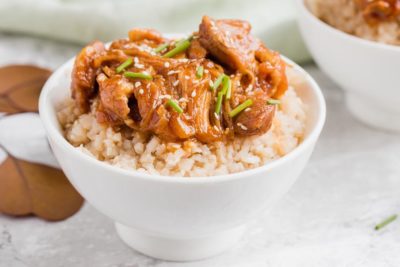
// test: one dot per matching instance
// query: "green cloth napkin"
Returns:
(81, 21)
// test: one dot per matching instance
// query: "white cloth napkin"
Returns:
(24, 137)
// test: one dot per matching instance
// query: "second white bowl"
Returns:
(369, 72)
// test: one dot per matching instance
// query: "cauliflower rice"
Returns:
(132, 150)
(343, 15)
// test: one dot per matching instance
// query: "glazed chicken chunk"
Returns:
(211, 86)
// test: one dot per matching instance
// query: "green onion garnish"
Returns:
(139, 75)
(124, 65)
(226, 87)
(179, 48)
(240, 108)
(272, 101)
(174, 105)
(385, 222)
(217, 82)
(199, 72)
(160, 48)
(219, 102)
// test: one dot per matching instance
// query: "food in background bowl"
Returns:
(375, 20)
(216, 102)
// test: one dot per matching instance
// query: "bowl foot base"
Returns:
(369, 112)
(179, 249)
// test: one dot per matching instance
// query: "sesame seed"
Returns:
(211, 83)
(136, 60)
(248, 89)
(139, 66)
(166, 64)
(247, 109)
(216, 128)
(141, 92)
(210, 64)
(165, 96)
(187, 77)
(175, 83)
(193, 93)
(137, 84)
(183, 60)
(241, 126)
(183, 100)
(148, 86)
(206, 71)
(172, 72)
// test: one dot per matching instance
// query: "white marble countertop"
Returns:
(327, 219)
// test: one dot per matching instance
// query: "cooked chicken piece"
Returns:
(261, 71)
(83, 75)
(257, 119)
(230, 42)
(114, 94)
(139, 34)
(196, 51)
(271, 72)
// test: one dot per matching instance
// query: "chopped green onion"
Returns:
(272, 101)
(229, 91)
(161, 48)
(219, 102)
(124, 65)
(199, 72)
(385, 222)
(179, 48)
(217, 82)
(226, 87)
(240, 108)
(139, 75)
(174, 105)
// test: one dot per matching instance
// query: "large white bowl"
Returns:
(369, 72)
(176, 218)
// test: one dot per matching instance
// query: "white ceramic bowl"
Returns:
(369, 72)
(176, 218)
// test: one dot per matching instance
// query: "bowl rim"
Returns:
(341, 34)
(45, 109)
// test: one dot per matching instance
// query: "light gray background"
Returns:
(327, 219)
